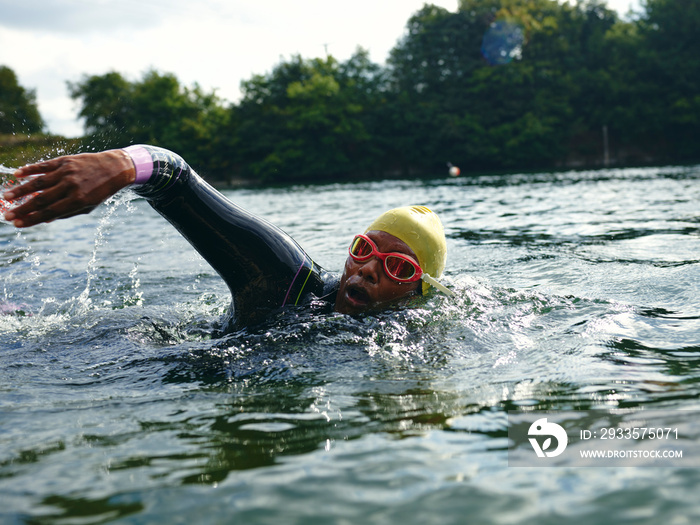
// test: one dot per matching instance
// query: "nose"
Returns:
(370, 270)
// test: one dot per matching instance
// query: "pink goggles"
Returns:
(398, 266)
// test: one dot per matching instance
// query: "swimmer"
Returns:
(400, 255)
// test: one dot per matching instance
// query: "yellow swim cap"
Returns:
(420, 228)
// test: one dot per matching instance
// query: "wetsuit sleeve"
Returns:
(262, 265)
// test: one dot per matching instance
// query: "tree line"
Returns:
(498, 84)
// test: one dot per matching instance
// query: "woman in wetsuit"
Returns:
(263, 266)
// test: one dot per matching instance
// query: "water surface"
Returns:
(575, 291)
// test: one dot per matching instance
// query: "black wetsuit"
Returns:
(263, 266)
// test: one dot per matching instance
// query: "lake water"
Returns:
(575, 291)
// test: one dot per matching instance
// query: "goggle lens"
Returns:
(399, 268)
(361, 249)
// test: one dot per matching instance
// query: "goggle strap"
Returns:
(434, 282)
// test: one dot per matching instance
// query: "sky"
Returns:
(215, 43)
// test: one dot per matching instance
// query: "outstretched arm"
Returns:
(69, 186)
(262, 265)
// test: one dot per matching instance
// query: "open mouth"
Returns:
(358, 296)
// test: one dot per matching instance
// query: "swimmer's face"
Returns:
(365, 286)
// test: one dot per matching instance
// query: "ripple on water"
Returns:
(574, 290)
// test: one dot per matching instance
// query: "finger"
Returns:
(16, 192)
(35, 217)
(59, 210)
(39, 167)
(38, 183)
(27, 220)
(44, 201)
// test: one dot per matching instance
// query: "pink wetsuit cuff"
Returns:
(142, 162)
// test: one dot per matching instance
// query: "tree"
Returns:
(157, 110)
(670, 60)
(18, 109)
(430, 71)
(186, 120)
(308, 118)
(481, 87)
(106, 107)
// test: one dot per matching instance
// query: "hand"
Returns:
(69, 186)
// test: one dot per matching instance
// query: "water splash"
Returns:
(27, 305)
(104, 225)
(7, 180)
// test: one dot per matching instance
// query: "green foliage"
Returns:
(17, 149)
(156, 110)
(496, 84)
(106, 102)
(308, 119)
(669, 64)
(18, 109)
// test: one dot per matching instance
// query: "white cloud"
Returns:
(81, 16)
